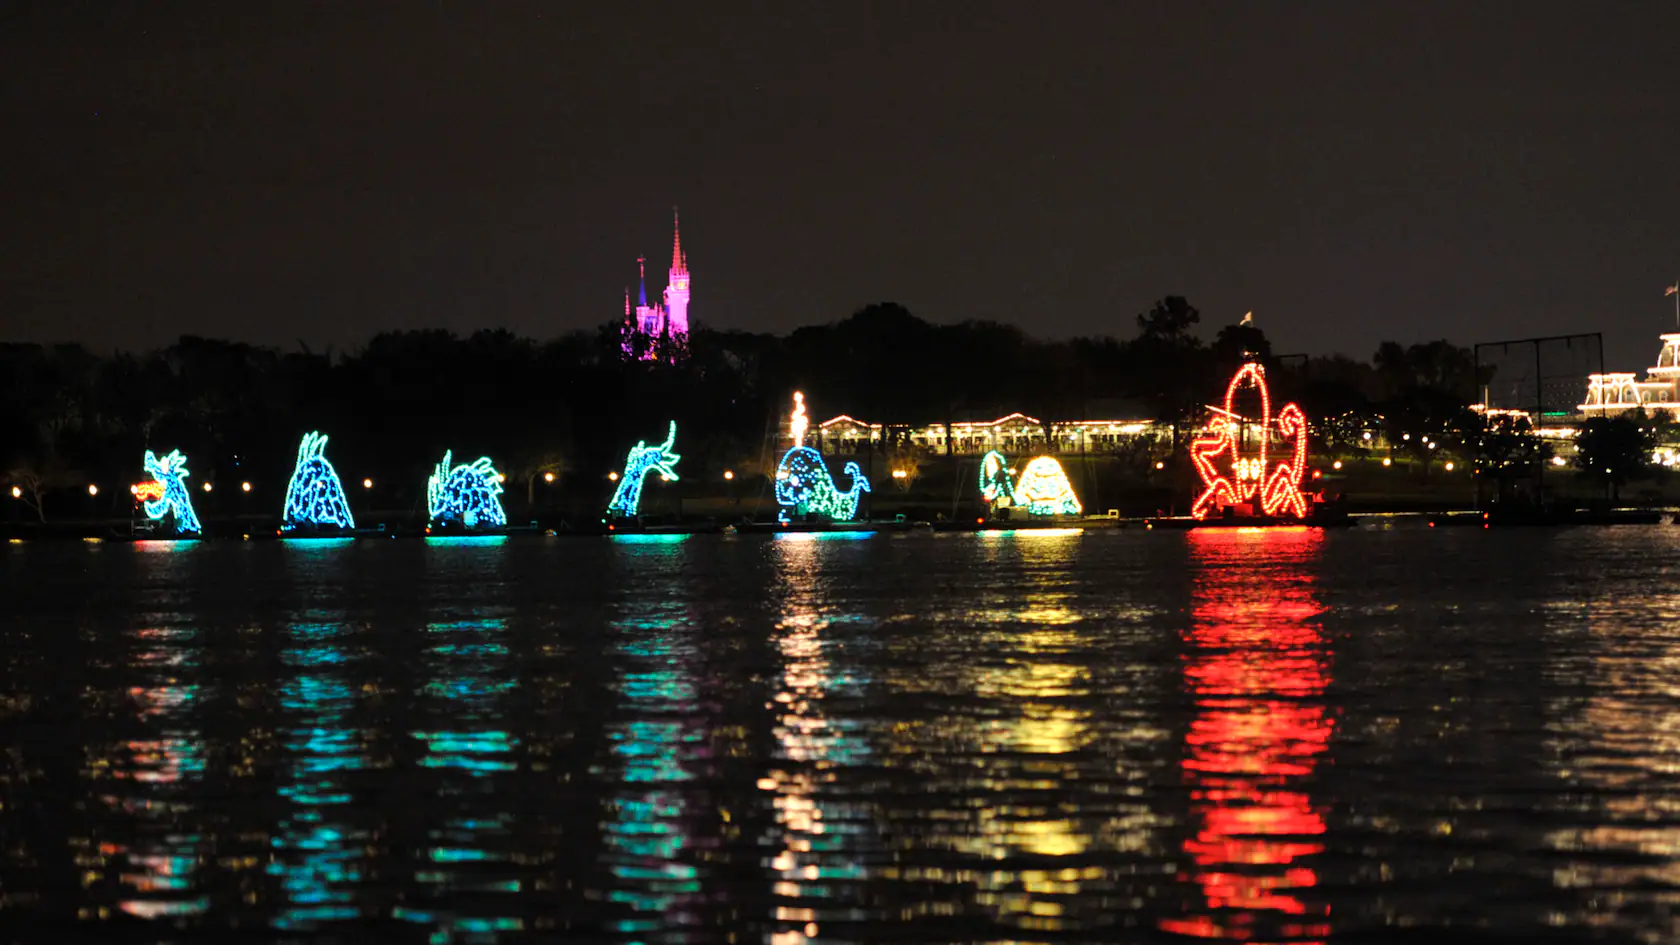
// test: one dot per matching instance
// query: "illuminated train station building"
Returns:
(1610, 394)
(1013, 434)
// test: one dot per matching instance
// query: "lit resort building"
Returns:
(667, 319)
(1012, 434)
(1609, 394)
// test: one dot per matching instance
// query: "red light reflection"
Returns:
(1256, 664)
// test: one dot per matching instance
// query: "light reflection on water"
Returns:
(465, 857)
(1043, 736)
(1622, 743)
(1257, 666)
(1041, 689)
(163, 767)
(317, 854)
(806, 853)
(655, 745)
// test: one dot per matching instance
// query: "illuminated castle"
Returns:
(667, 320)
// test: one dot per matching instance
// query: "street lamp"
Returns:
(548, 477)
(17, 493)
(367, 483)
(729, 475)
(612, 477)
(93, 489)
(244, 487)
(207, 487)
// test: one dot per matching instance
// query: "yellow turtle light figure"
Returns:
(1042, 488)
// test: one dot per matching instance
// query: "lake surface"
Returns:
(1125, 736)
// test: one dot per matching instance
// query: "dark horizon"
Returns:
(1349, 174)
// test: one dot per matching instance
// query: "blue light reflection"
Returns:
(469, 869)
(315, 854)
(644, 539)
(656, 744)
(468, 540)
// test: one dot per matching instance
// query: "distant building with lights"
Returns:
(1014, 433)
(665, 322)
(1610, 394)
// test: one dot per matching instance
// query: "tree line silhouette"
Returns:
(570, 407)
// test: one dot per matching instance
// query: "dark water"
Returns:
(1130, 736)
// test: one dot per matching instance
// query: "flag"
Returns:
(1671, 290)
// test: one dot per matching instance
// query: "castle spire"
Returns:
(678, 263)
(641, 279)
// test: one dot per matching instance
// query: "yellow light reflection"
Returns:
(811, 851)
(1040, 720)
(1621, 743)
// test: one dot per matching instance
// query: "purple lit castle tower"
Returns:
(668, 321)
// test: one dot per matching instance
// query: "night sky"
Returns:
(1351, 173)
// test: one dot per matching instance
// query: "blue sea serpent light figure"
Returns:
(1043, 488)
(803, 484)
(465, 495)
(169, 473)
(315, 497)
(643, 459)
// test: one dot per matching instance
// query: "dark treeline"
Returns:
(573, 406)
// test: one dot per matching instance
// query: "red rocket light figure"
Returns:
(1236, 472)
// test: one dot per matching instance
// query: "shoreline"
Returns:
(225, 530)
